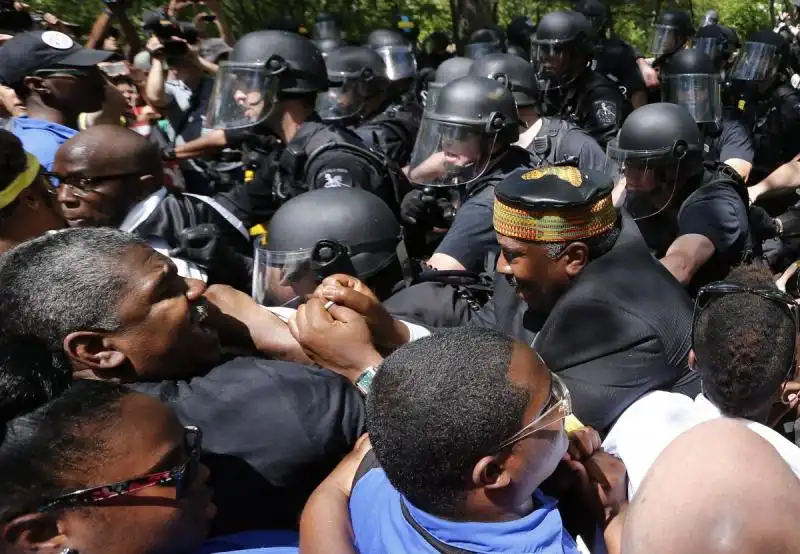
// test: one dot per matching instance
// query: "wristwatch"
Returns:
(364, 381)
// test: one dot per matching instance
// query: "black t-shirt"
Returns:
(732, 141)
(775, 126)
(616, 59)
(274, 430)
(471, 235)
(566, 142)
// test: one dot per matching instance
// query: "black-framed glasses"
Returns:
(557, 408)
(709, 293)
(66, 71)
(83, 186)
(181, 477)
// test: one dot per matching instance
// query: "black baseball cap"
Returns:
(32, 51)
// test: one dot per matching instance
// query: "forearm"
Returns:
(325, 525)
(154, 87)
(99, 29)
(224, 29)
(686, 255)
(785, 177)
(613, 532)
(207, 66)
(134, 44)
(205, 145)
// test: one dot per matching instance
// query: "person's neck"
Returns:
(372, 106)
(37, 109)
(486, 511)
(290, 123)
(534, 124)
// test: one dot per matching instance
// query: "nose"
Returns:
(502, 266)
(66, 197)
(240, 97)
(194, 289)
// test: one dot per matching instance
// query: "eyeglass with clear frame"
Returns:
(557, 408)
(181, 477)
(82, 186)
(712, 291)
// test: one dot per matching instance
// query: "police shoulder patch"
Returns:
(334, 178)
(605, 112)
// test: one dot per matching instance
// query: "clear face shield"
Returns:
(551, 61)
(326, 29)
(699, 93)
(341, 102)
(450, 154)
(243, 96)
(477, 50)
(666, 39)
(400, 61)
(429, 96)
(756, 62)
(649, 178)
(710, 46)
(287, 278)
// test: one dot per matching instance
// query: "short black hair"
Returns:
(47, 450)
(13, 162)
(436, 406)
(63, 282)
(598, 246)
(744, 345)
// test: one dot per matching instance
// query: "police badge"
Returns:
(605, 112)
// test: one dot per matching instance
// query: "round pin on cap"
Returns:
(57, 40)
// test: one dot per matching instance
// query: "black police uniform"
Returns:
(560, 142)
(471, 236)
(616, 59)
(319, 156)
(592, 102)
(775, 126)
(393, 131)
(727, 140)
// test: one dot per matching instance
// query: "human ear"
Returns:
(575, 257)
(91, 349)
(36, 84)
(38, 532)
(490, 473)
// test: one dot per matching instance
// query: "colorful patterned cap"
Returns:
(555, 204)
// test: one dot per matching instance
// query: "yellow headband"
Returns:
(555, 225)
(23, 181)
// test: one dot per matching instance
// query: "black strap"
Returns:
(439, 546)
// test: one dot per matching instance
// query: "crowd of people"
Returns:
(534, 291)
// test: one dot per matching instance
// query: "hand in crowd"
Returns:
(351, 293)
(155, 47)
(649, 74)
(338, 338)
(243, 323)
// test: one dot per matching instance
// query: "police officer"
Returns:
(671, 33)
(720, 43)
(398, 55)
(613, 57)
(561, 50)
(551, 140)
(519, 33)
(328, 45)
(465, 146)
(693, 217)
(326, 27)
(434, 50)
(690, 79)
(322, 233)
(771, 106)
(450, 70)
(483, 42)
(270, 86)
(357, 97)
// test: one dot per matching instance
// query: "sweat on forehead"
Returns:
(110, 147)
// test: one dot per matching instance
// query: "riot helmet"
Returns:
(518, 51)
(598, 14)
(673, 29)
(473, 117)
(520, 31)
(718, 42)
(326, 27)
(690, 79)
(562, 46)
(710, 18)
(518, 72)
(321, 233)
(328, 45)
(761, 57)
(658, 147)
(263, 67)
(449, 70)
(484, 42)
(355, 73)
(396, 52)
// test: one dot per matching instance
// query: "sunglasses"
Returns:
(709, 293)
(557, 408)
(181, 477)
(82, 186)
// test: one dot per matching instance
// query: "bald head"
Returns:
(110, 150)
(718, 488)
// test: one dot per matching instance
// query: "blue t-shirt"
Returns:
(253, 542)
(380, 527)
(41, 138)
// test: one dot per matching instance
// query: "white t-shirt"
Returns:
(653, 421)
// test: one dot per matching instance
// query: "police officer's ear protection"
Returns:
(503, 79)
(679, 149)
(276, 65)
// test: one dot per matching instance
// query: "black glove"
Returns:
(763, 225)
(205, 245)
(417, 207)
(789, 222)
